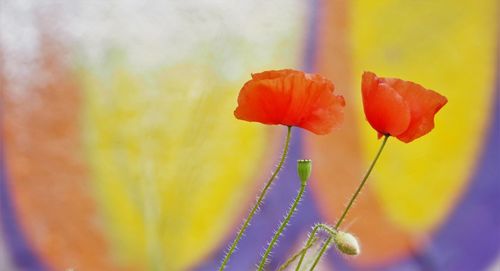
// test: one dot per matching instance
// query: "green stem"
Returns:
(296, 255)
(325, 246)
(349, 205)
(353, 198)
(282, 226)
(311, 240)
(259, 201)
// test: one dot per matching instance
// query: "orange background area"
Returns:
(49, 186)
(339, 154)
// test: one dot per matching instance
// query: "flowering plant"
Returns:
(393, 107)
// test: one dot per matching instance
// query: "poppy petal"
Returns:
(273, 74)
(368, 83)
(423, 103)
(291, 98)
(386, 110)
(325, 110)
(258, 103)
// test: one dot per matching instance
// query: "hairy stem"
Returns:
(282, 226)
(296, 255)
(311, 240)
(326, 244)
(259, 201)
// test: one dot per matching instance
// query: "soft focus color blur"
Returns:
(119, 149)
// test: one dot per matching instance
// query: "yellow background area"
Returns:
(172, 168)
(167, 162)
(425, 42)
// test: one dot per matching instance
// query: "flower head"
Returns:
(347, 243)
(304, 168)
(291, 98)
(399, 108)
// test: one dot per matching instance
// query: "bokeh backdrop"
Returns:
(119, 149)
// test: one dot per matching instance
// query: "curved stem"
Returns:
(296, 255)
(325, 246)
(259, 201)
(311, 240)
(282, 226)
(349, 205)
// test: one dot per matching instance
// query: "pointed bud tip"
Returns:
(347, 243)
(304, 168)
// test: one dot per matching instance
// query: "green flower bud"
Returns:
(304, 168)
(347, 243)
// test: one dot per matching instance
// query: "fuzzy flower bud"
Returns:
(304, 168)
(347, 243)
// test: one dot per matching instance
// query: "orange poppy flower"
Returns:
(399, 108)
(291, 98)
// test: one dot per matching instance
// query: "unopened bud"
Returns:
(304, 168)
(347, 243)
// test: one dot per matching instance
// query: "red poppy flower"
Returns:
(291, 98)
(399, 108)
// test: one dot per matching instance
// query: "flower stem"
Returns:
(326, 244)
(311, 240)
(353, 198)
(296, 255)
(282, 226)
(259, 201)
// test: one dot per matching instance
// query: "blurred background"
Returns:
(119, 149)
